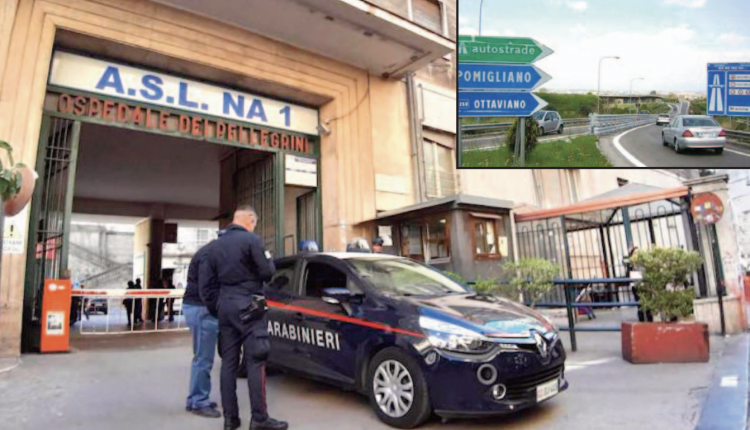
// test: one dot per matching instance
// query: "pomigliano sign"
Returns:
(116, 80)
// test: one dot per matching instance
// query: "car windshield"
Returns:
(539, 115)
(699, 122)
(405, 277)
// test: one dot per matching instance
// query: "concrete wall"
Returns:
(158, 33)
(392, 153)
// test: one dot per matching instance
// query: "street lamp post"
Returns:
(600, 82)
(481, 3)
(631, 92)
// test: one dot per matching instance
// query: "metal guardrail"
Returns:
(505, 126)
(738, 134)
(604, 124)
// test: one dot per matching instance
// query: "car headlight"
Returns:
(455, 338)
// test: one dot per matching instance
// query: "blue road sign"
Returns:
(728, 89)
(500, 77)
(496, 104)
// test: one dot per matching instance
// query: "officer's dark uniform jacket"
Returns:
(236, 264)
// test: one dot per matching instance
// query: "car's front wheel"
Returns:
(562, 127)
(397, 389)
(663, 141)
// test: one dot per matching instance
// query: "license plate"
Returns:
(547, 390)
(705, 135)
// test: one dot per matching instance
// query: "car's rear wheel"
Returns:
(397, 389)
(720, 151)
(677, 147)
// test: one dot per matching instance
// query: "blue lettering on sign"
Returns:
(256, 109)
(153, 83)
(111, 78)
(238, 107)
(287, 112)
(183, 97)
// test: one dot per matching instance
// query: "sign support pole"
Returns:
(522, 125)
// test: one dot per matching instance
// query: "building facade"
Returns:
(320, 113)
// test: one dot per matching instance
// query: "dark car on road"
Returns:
(410, 338)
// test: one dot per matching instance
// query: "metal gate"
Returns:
(49, 226)
(255, 187)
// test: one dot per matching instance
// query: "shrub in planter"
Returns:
(664, 292)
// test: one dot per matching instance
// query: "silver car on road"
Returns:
(549, 122)
(694, 132)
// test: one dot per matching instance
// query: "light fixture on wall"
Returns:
(323, 128)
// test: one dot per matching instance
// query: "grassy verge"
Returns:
(578, 152)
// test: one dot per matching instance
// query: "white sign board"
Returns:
(125, 82)
(14, 233)
(386, 233)
(301, 171)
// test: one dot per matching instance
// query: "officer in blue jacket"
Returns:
(239, 264)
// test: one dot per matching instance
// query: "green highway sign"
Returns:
(505, 50)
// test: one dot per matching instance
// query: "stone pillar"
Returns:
(735, 303)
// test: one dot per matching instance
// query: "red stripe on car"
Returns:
(357, 321)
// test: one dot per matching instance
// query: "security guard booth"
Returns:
(464, 234)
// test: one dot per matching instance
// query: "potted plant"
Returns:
(16, 183)
(665, 293)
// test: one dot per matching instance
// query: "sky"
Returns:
(666, 42)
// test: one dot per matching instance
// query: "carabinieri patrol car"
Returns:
(410, 338)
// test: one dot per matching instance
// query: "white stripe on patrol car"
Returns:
(321, 338)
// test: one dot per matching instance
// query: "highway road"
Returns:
(644, 144)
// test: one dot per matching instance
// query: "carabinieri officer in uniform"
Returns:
(240, 265)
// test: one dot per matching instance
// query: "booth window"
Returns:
(439, 174)
(411, 242)
(490, 240)
(438, 240)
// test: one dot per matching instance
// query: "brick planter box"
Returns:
(665, 343)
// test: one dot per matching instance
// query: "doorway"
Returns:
(94, 169)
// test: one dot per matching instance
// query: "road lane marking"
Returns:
(737, 152)
(570, 366)
(729, 381)
(625, 153)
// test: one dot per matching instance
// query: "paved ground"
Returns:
(139, 381)
(645, 145)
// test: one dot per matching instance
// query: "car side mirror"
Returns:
(336, 296)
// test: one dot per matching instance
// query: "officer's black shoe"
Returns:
(232, 424)
(269, 424)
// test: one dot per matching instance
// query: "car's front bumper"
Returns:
(455, 389)
(702, 143)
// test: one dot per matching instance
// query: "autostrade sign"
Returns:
(116, 80)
